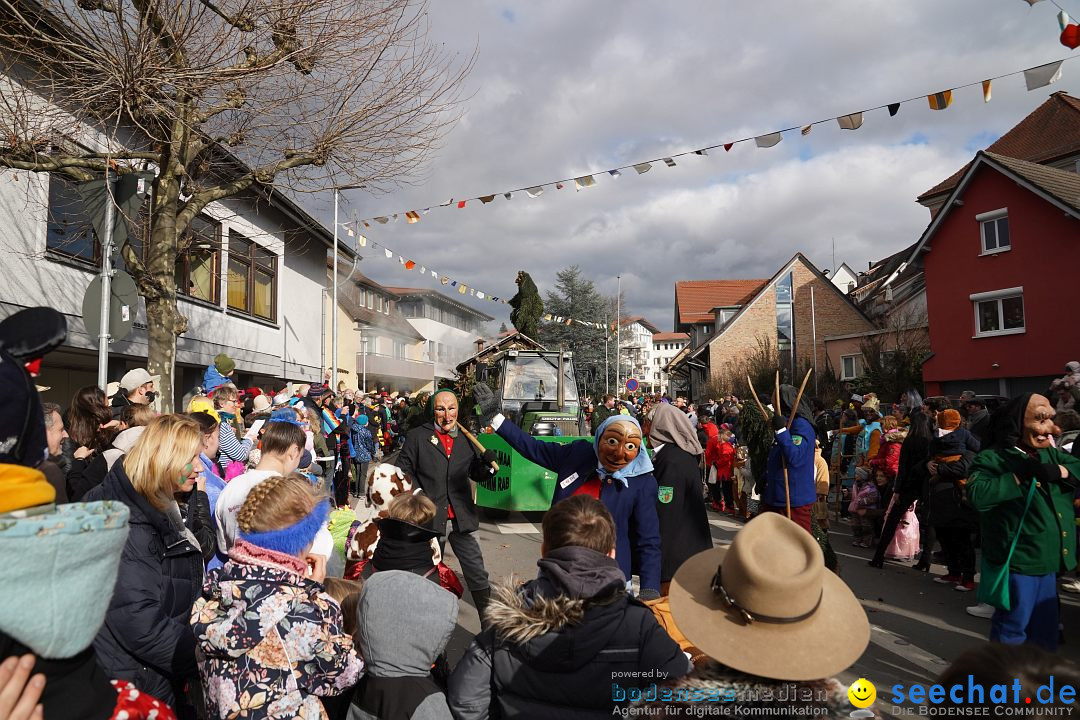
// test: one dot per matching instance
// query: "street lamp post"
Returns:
(334, 311)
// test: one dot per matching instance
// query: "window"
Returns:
(850, 366)
(370, 300)
(994, 229)
(1000, 312)
(198, 260)
(399, 350)
(252, 278)
(68, 230)
(785, 329)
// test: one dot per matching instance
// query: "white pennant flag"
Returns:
(643, 168)
(850, 122)
(389, 254)
(585, 181)
(1043, 75)
(361, 240)
(767, 141)
(535, 191)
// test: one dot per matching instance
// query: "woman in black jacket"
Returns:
(684, 521)
(911, 477)
(146, 638)
(92, 428)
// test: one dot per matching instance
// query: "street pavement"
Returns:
(917, 626)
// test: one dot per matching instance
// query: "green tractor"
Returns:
(538, 392)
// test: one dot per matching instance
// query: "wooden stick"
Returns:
(798, 398)
(764, 415)
(476, 444)
(783, 463)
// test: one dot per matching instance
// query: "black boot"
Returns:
(481, 598)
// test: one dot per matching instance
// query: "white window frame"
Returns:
(997, 295)
(854, 367)
(988, 217)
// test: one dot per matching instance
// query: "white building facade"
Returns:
(665, 346)
(450, 328)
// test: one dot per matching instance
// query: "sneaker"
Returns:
(967, 586)
(1071, 585)
(981, 610)
(947, 579)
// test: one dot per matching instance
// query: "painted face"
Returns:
(189, 474)
(446, 410)
(1039, 427)
(619, 445)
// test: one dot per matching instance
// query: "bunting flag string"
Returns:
(362, 241)
(1034, 78)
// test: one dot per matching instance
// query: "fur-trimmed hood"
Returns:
(560, 620)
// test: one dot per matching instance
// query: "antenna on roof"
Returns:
(834, 254)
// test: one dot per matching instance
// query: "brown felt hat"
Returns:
(765, 605)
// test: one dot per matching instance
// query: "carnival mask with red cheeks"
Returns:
(446, 411)
(619, 445)
(1039, 428)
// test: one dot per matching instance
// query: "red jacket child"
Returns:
(888, 456)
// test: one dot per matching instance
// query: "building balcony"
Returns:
(387, 366)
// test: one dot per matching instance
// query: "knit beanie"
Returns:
(224, 363)
(948, 419)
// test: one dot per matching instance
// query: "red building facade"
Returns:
(1000, 262)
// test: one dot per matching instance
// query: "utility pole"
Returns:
(334, 307)
(106, 285)
(618, 334)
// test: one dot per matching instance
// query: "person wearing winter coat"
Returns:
(363, 452)
(218, 373)
(146, 639)
(888, 455)
(60, 560)
(558, 643)
(270, 642)
(212, 482)
(951, 514)
(910, 485)
(684, 522)
(403, 624)
(791, 461)
(999, 485)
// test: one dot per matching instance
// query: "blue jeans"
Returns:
(1034, 615)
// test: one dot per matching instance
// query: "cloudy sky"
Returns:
(561, 88)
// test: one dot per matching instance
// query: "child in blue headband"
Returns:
(264, 624)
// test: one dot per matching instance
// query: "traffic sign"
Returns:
(124, 302)
(631, 384)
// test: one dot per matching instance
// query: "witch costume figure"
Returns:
(442, 463)
(1023, 488)
(614, 468)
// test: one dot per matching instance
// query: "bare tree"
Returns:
(219, 97)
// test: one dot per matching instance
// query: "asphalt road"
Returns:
(917, 626)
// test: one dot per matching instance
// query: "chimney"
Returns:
(479, 344)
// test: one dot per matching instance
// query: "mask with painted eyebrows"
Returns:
(619, 445)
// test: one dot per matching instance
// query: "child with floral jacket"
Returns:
(269, 639)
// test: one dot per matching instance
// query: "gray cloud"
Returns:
(561, 88)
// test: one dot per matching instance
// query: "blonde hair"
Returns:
(889, 423)
(415, 509)
(277, 502)
(157, 462)
(137, 415)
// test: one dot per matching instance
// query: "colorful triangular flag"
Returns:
(940, 100)
(986, 91)
(703, 151)
(462, 289)
(382, 220)
(409, 264)
(558, 186)
(728, 146)
(461, 204)
(893, 109)
(487, 198)
(1063, 19)
(412, 216)
(669, 162)
(585, 181)
(508, 195)
(614, 173)
(361, 240)
(806, 130)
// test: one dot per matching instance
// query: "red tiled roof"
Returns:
(671, 336)
(1050, 132)
(695, 299)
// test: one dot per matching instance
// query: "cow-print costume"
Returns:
(386, 482)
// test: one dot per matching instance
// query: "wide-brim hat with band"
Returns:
(766, 605)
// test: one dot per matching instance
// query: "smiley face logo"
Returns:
(862, 693)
